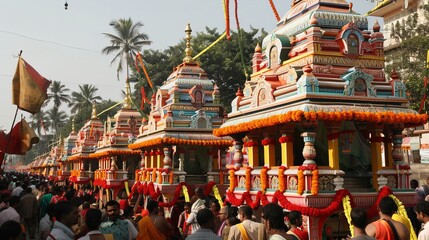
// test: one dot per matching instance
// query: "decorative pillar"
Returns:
(333, 145)
(376, 140)
(309, 135)
(253, 152)
(269, 151)
(286, 145)
(398, 157)
(238, 155)
(167, 159)
(152, 159)
(215, 158)
(159, 157)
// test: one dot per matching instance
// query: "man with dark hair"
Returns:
(422, 211)
(119, 228)
(46, 222)
(359, 222)
(273, 219)
(181, 224)
(247, 228)
(154, 226)
(199, 203)
(29, 211)
(420, 193)
(11, 213)
(386, 227)
(93, 221)
(205, 219)
(66, 215)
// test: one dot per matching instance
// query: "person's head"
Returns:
(200, 193)
(128, 212)
(205, 218)
(414, 183)
(422, 211)
(387, 206)
(87, 197)
(295, 218)
(11, 230)
(50, 210)
(28, 190)
(231, 221)
(152, 207)
(14, 201)
(245, 212)
(215, 207)
(359, 218)
(272, 213)
(187, 207)
(112, 209)
(223, 213)
(93, 219)
(66, 213)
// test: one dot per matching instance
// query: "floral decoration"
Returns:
(282, 178)
(315, 182)
(410, 119)
(268, 141)
(347, 212)
(231, 179)
(401, 211)
(264, 178)
(285, 139)
(301, 182)
(178, 141)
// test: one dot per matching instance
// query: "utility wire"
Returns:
(50, 42)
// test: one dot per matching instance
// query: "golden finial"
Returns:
(127, 99)
(188, 50)
(94, 111)
(72, 125)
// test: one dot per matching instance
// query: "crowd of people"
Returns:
(31, 207)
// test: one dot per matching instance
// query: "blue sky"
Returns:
(65, 45)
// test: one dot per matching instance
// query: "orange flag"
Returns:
(21, 139)
(29, 88)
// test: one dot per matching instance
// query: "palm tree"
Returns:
(126, 43)
(40, 121)
(58, 93)
(58, 119)
(84, 98)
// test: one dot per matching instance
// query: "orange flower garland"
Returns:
(248, 178)
(299, 115)
(301, 181)
(231, 180)
(170, 177)
(282, 178)
(178, 141)
(154, 175)
(315, 182)
(264, 178)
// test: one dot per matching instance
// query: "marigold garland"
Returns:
(264, 178)
(315, 182)
(388, 117)
(231, 180)
(301, 182)
(248, 178)
(217, 195)
(185, 193)
(401, 211)
(347, 212)
(178, 141)
(268, 141)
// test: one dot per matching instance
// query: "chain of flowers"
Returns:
(347, 212)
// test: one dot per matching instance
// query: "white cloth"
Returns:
(17, 191)
(277, 237)
(61, 232)
(87, 236)
(132, 230)
(192, 219)
(424, 233)
(45, 224)
(9, 214)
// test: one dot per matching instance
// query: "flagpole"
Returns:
(3, 163)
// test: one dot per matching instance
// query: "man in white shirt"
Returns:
(17, 190)
(66, 214)
(11, 212)
(196, 206)
(45, 224)
(422, 211)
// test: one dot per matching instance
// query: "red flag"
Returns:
(144, 98)
(29, 88)
(21, 139)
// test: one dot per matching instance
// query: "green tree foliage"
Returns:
(128, 41)
(409, 59)
(223, 62)
(83, 99)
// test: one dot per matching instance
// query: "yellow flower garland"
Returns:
(231, 180)
(248, 178)
(217, 195)
(185, 193)
(315, 182)
(347, 212)
(264, 178)
(126, 187)
(401, 211)
(281, 179)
